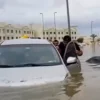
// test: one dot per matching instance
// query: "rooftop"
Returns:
(24, 41)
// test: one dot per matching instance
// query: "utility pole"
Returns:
(42, 21)
(92, 35)
(55, 24)
(68, 17)
(31, 30)
(91, 27)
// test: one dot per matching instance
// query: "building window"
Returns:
(12, 37)
(7, 31)
(16, 37)
(62, 32)
(58, 32)
(47, 38)
(3, 37)
(11, 31)
(50, 32)
(47, 33)
(54, 38)
(24, 31)
(75, 37)
(16, 31)
(0, 37)
(44, 33)
(54, 32)
(59, 37)
(43, 37)
(32, 32)
(66, 32)
(19, 31)
(51, 38)
(75, 32)
(7, 38)
(72, 32)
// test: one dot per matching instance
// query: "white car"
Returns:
(30, 62)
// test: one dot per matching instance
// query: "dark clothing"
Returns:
(62, 48)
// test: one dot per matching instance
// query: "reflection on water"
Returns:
(73, 85)
(85, 86)
(93, 48)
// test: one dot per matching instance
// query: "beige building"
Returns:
(50, 33)
(12, 31)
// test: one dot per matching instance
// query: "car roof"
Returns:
(25, 41)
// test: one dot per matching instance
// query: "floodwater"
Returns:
(87, 86)
(83, 87)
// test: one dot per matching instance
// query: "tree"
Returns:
(93, 36)
(80, 40)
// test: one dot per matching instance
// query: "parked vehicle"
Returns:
(30, 62)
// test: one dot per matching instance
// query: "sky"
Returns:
(82, 12)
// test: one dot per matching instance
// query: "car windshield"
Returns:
(40, 54)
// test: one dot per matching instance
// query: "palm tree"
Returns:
(93, 36)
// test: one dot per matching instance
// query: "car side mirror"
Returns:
(71, 60)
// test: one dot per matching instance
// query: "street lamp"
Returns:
(55, 23)
(91, 27)
(92, 34)
(31, 30)
(42, 21)
(68, 17)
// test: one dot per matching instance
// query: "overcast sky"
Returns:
(82, 12)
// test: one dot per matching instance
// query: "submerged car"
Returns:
(31, 69)
(30, 62)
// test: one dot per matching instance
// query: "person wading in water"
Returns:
(63, 44)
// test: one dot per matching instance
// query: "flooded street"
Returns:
(84, 87)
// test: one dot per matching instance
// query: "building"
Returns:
(12, 31)
(50, 33)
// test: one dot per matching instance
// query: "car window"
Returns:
(35, 53)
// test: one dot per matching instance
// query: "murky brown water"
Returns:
(85, 87)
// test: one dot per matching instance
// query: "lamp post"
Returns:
(68, 17)
(31, 30)
(93, 36)
(55, 23)
(91, 27)
(42, 21)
